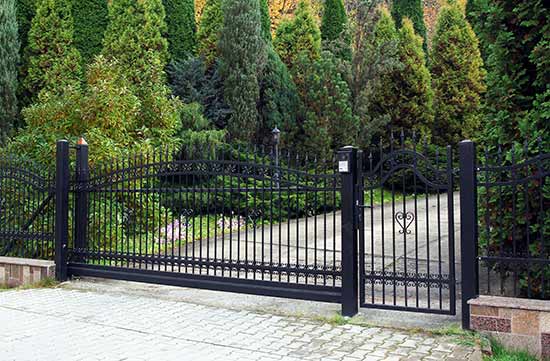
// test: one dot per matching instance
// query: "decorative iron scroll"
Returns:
(404, 220)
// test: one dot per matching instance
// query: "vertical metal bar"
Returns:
(81, 196)
(468, 227)
(451, 230)
(61, 209)
(350, 282)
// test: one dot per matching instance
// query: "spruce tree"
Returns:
(406, 95)
(209, 31)
(243, 53)
(9, 56)
(457, 77)
(53, 60)
(90, 22)
(297, 35)
(414, 10)
(180, 18)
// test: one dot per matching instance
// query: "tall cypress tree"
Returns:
(413, 10)
(457, 77)
(90, 22)
(300, 34)
(9, 56)
(209, 31)
(53, 60)
(243, 53)
(180, 18)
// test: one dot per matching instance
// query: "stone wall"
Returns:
(16, 272)
(517, 323)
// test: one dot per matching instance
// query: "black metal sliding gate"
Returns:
(242, 221)
(406, 228)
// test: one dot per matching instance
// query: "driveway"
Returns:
(69, 324)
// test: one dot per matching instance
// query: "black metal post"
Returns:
(81, 196)
(468, 227)
(61, 209)
(347, 166)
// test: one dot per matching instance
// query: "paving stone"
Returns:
(63, 324)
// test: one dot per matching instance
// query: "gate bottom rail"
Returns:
(255, 287)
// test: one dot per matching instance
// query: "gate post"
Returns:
(347, 166)
(468, 227)
(61, 209)
(81, 196)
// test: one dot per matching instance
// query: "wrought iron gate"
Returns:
(27, 200)
(405, 213)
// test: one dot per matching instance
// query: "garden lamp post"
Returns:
(276, 133)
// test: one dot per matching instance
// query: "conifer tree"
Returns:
(266, 20)
(334, 20)
(9, 56)
(209, 31)
(53, 60)
(134, 38)
(406, 95)
(518, 96)
(279, 101)
(90, 22)
(335, 29)
(414, 10)
(180, 18)
(134, 42)
(328, 120)
(243, 53)
(300, 34)
(25, 10)
(457, 77)
(378, 63)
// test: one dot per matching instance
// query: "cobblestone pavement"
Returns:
(61, 324)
